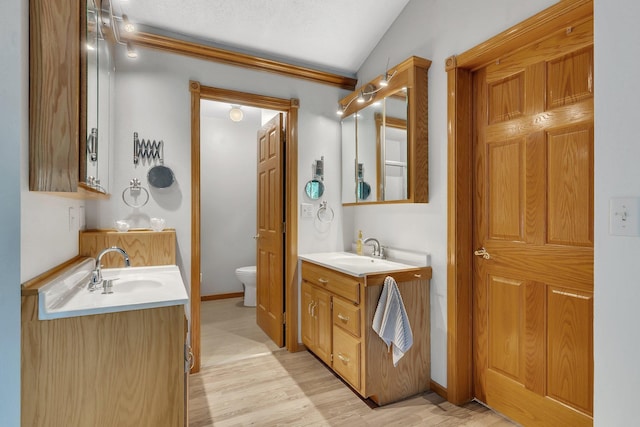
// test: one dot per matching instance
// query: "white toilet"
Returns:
(247, 275)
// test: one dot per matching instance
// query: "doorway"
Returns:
(290, 107)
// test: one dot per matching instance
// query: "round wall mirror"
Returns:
(160, 176)
(314, 189)
(364, 190)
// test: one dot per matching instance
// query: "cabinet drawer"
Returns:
(337, 283)
(347, 316)
(346, 356)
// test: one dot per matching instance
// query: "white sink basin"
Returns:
(133, 288)
(356, 265)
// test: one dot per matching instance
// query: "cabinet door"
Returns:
(322, 315)
(54, 95)
(308, 322)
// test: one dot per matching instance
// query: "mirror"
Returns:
(368, 152)
(385, 137)
(392, 152)
(349, 159)
(314, 189)
(97, 81)
(376, 138)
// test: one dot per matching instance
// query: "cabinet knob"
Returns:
(323, 281)
(344, 358)
(343, 317)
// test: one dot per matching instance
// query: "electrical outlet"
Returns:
(72, 218)
(306, 210)
(623, 216)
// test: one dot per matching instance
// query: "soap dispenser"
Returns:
(359, 243)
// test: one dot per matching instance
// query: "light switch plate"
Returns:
(306, 210)
(623, 216)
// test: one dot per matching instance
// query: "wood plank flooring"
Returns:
(246, 380)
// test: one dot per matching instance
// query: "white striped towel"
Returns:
(391, 322)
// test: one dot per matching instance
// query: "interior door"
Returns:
(270, 224)
(533, 230)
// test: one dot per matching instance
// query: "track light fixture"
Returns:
(127, 25)
(131, 51)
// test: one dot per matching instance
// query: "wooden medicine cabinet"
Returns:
(64, 48)
(385, 138)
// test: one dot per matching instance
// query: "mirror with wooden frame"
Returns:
(95, 126)
(385, 137)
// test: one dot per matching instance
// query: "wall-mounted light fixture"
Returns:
(131, 51)
(127, 25)
(365, 94)
(236, 114)
(118, 24)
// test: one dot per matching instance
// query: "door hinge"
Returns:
(284, 227)
(331, 357)
(331, 305)
(284, 318)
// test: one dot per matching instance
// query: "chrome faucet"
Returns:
(378, 251)
(96, 274)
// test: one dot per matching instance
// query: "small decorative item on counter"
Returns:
(157, 224)
(122, 226)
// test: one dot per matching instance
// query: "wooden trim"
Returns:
(438, 389)
(221, 296)
(291, 228)
(459, 230)
(31, 286)
(194, 87)
(210, 53)
(290, 107)
(537, 27)
(460, 169)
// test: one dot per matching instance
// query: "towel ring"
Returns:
(325, 213)
(134, 190)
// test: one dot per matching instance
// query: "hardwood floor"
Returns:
(246, 380)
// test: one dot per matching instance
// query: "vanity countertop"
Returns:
(134, 288)
(363, 265)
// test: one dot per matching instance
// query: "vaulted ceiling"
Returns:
(329, 35)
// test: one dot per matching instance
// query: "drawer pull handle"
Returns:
(343, 317)
(343, 358)
(309, 307)
(323, 281)
(417, 276)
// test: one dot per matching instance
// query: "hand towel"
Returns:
(391, 322)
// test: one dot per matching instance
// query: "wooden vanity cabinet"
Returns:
(356, 352)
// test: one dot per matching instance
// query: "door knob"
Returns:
(482, 252)
(256, 237)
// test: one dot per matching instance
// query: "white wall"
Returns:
(228, 158)
(617, 150)
(434, 30)
(13, 122)
(152, 97)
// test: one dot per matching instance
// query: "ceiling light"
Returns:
(131, 51)
(360, 99)
(340, 110)
(127, 25)
(236, 114)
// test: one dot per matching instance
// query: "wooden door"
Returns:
(533, 216)
(270, 224)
